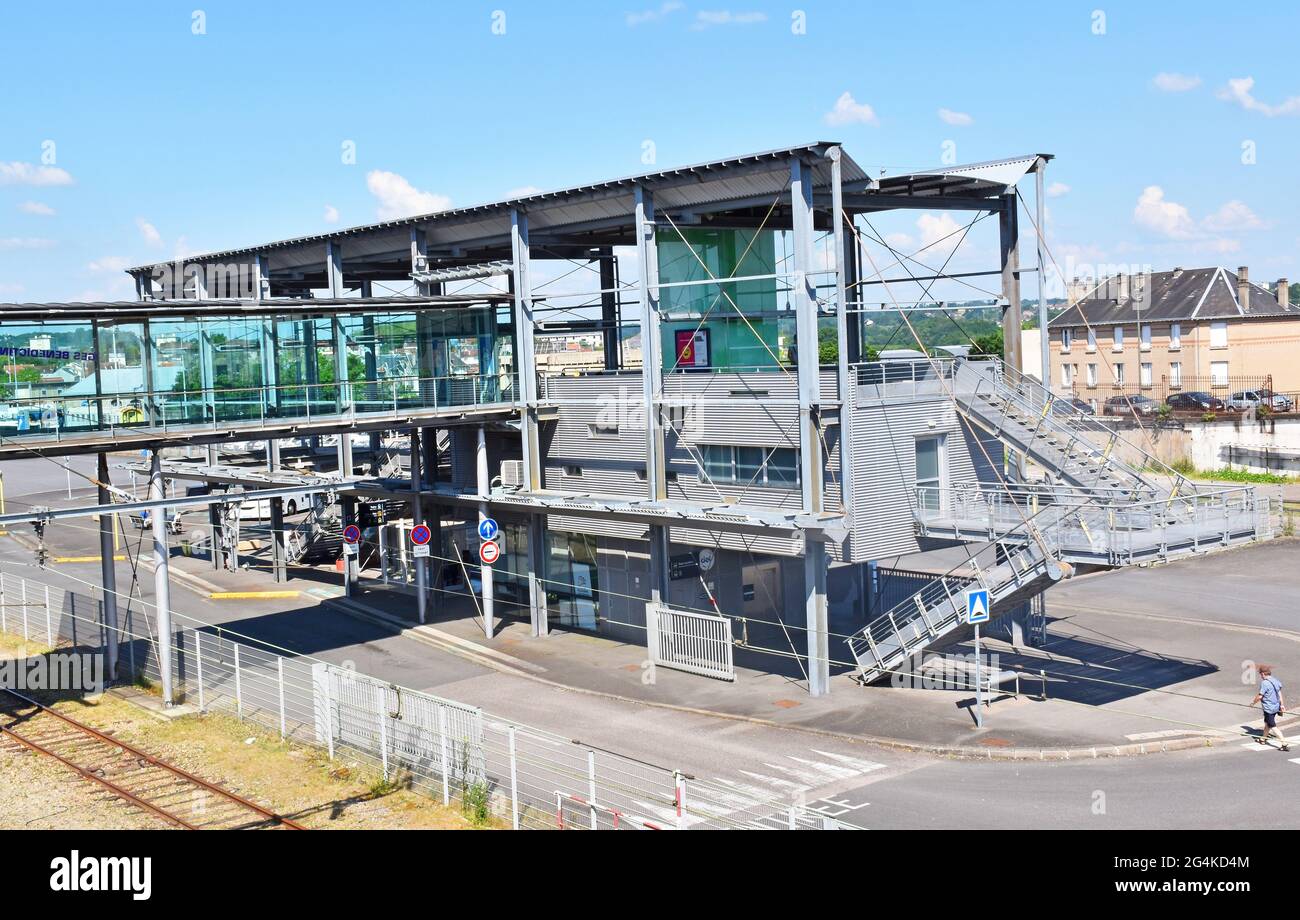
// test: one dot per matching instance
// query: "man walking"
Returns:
(1270, 698)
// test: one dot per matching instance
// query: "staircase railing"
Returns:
(939, 607)
(1041, 398)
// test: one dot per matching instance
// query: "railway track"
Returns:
(165, 790)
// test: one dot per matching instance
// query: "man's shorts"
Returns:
(1270, 719)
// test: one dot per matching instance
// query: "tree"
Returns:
(989, 344)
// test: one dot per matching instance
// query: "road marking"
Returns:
(250, 595)
(117, 558)
(1175, 733)
(1295, 760)
(1256, 746)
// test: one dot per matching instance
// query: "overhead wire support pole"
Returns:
(108, 572)
(161, 584)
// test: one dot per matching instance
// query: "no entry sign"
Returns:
(351, 533)
(421, 535)
(489, 552)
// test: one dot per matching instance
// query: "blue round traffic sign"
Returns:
(488, 529)
(351, 533)
(421, 535)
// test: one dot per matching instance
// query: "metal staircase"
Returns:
(1021, 413)
(1092, 508)
(934, 617)
(317, 538)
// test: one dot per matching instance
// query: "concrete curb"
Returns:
(435, 638)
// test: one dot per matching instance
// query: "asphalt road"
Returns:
(1228, 786)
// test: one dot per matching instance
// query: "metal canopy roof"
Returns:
(569, 222)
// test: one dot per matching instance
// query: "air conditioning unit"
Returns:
(512, 474)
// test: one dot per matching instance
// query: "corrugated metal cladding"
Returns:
(884, 469)
(598, 445)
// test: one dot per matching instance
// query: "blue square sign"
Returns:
(977, 605)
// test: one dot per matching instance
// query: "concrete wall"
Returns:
(1269, 446)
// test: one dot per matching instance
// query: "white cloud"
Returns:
(936, 227)
(1234, 215)
(399, 198)
(899, 241)
(848, 111)
(25, 242)
(1167, 218)
(16, 173)
(1175, 82)
(331, 214)
(959, 119)
(1239, 89)
(110, 264)
(524, 191)
(8, 287)
(707, 19)
(654, 15)
(1057, 189)
(38, 208)
(149, 232)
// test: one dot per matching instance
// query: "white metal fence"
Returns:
(694, 642)
(526, 777)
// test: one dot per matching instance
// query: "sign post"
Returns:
(977, 612)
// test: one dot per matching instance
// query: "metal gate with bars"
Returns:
(695, 642)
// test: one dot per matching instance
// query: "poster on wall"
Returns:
(692, 347)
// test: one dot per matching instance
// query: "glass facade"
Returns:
(88, 375)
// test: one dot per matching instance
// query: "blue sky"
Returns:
(167, 142)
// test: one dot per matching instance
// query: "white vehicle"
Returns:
(1247, 399)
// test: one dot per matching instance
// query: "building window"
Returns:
(1119, 375)
(1218, 335)
(1067, 375)
(1175, 373)
(1067, 339)
(1175, 336)
(1144, 335)
(1218, 373)
(1092, 340)
(777, 467)
(1118, 339)
(1092, 375)
(571, 470)
(929, 473)
(1144, 373)
(603, 430)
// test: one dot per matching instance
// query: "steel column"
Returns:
(1009, 245)
(647, 256)
(108, 571)
(161, 584)
(1045, 345)
(610, 331)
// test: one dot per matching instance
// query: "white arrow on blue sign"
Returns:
(977, 605)
(487, 529)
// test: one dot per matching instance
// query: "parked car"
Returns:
(1127, 405)
(1246, 399)
(1073, 406)
(1195, 401)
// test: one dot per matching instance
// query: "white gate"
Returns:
(696, 642)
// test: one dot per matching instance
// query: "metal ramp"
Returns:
(934, 616)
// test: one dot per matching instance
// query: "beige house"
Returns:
(1201, 329)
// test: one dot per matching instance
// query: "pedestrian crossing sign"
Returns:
(977, 605)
